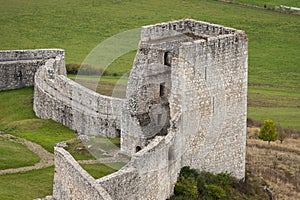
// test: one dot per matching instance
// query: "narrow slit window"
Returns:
(162, 89)
(167, 58)
(213, 105)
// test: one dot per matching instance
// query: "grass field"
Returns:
(78, 26)
(17, 118)
(14, 155)
(28, 185)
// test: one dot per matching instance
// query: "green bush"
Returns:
(205, 185)
(213, 191)
(186, 186)
(187, 172)
(212, 186)
(72, 68)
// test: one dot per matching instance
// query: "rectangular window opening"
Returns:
(162, 89)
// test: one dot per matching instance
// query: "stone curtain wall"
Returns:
(73, 182)
(149, 175)
(17, 67)
(63, 100)
(212, 90)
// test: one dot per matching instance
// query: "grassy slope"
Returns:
(17, 118)
(17, 114)
(14, 155)
(277, 163)
(280, 104)
(28, 185)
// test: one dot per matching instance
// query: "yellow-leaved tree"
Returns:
(268, 131)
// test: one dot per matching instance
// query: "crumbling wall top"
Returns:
(186, 26)
(30, 54)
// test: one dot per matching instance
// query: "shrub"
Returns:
(281, 134)
(187, 183)
(72, 68)
(214, 186)
(187, 172)
(268, 131)
(192, 185)
(214, 191)
(186, 186)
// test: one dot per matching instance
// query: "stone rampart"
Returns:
(212, 92)
(149, 175)
(71, 181)
(65, 101)
(17, 67)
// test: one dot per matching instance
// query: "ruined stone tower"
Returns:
(190, 78)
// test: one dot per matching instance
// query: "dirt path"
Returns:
(47, 159)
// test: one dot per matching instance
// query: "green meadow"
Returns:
(14, 155)
(27, 185)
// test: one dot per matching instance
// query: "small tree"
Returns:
(281, 133)
(268, 131)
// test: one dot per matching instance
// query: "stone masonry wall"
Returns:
(149, 175)
(63, 100)
(212, 91)
(73, 182)
(18, 67)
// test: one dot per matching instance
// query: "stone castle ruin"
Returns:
(185, 105)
